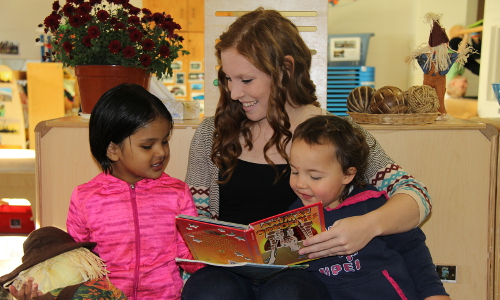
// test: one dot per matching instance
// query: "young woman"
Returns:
(238, 166)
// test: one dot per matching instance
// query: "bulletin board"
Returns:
(12, 126)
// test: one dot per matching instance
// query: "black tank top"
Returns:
(252, 195)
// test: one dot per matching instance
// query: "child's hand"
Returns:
(345, 237)
(28, 291)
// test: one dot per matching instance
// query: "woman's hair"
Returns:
(264, 38)
(118, 114)
(351, 148)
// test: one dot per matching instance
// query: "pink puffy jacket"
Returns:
(134, 228)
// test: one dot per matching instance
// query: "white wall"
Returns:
(488, 106)
(398, 29)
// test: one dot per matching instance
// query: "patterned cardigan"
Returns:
(382, 172)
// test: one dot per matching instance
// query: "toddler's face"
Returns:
(316, 174)
(144, 154)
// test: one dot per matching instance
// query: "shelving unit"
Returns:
(341, 81)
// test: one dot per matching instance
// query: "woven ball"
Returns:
(422, 99)
(389, 100)
(359, 99)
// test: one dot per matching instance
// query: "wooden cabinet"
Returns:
(188, 13)
(187, 82)
(457, 161)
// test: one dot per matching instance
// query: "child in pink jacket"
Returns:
(129, 210)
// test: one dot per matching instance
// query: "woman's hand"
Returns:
(346, 236)
(350, 235)
(28, 291)
(438, 298)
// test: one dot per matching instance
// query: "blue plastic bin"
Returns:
(365, 39)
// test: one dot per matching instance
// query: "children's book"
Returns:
(274, 240)
(258, 272)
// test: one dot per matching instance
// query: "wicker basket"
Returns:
(394, 119)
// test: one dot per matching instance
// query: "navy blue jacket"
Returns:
(389, 267)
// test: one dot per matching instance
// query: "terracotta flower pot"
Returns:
(95, 80)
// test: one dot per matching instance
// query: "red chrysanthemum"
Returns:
(102, 15)
(134, 20)
(52, 21)
(85, 18)
(68, 9)
(93, 2)
(87, 41)
(145, 60)
(55, 5)
(128, 52)
(148, 44)
(146, 11)
(113, 20)
(164, 51)
(136, 36)
(134, 10)
(94, 31)
(67, 46)
(84, 8)
(119, 26)
(158, 18)
(75, 21)
(115, 46)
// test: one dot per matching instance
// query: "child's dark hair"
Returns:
(351, 149)
(118, 114)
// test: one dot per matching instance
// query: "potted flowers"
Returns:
(113, 34)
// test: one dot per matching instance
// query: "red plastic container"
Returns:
(16, 219)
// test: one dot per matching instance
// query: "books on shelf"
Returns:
(274, 240)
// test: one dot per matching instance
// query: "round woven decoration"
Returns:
(359, 99)
(422, 99)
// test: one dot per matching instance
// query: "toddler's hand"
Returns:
(28, 291)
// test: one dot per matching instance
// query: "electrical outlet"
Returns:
(447, 273)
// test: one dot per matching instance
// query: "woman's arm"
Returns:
(349, 235)
(408, 205)
(199, 176)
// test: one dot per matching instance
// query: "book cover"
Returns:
(274, 240)
(259, 272)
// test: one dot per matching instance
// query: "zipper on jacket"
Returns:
(137, 238)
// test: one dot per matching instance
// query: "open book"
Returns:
(274, 240)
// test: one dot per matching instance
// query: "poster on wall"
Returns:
(9, 47)
(195, 66)
(180, 78)
(9, 126)
(177, 90)
(194, 77)
(5, 94)
(345, 49)
(176, 65)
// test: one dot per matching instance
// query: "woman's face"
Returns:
(248, 85)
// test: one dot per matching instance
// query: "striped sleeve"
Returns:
(199, 177)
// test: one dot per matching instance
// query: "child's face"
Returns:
(144, 154)
(316, 174)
